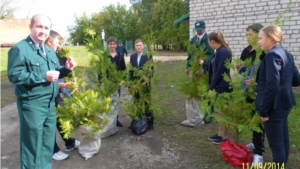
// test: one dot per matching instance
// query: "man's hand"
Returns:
(70, 64)
(144, 84)
(201, 62)
(52, 75)
(187, 71)
(248, 81)
(264, 119)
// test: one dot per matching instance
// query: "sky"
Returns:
(62, 12)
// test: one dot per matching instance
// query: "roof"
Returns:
(183, 18)
(13, 30)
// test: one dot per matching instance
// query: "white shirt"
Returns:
(38, 45)
(200, 37)
(139, 58)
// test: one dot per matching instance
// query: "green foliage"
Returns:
(280, 19)
(151, 20)
(76, 32)
(64, 52)
(164, 12)
(197, 86)
(84, 108)
(147, 96)
(7, 9)
(102, 72)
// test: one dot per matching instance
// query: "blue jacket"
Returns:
(216, 78)
(275, 77)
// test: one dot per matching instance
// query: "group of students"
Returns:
(275, 77)
(137, 60)
(116, 56)
(37, 71)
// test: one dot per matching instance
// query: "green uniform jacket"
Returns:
(122, 50)
(203, 42)
(27, 67)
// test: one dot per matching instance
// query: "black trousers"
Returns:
(70, 142)
(146, 104)
(258, 141)
(278, 136)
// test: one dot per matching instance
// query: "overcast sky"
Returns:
(61, 11)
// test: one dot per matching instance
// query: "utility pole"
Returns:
(30, 9)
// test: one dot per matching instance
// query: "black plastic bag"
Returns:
(139, 126)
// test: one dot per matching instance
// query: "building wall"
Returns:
(13, 30)
(233, 16)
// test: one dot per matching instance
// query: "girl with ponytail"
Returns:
(216, 70)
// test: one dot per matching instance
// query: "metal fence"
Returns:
(128, 46)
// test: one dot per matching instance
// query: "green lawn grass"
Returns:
(79, 53)
(3, 55)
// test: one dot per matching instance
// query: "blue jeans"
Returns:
(276, 129)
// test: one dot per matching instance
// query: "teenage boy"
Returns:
(257, 145)
(54, 42)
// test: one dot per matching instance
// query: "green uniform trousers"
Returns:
(37, 134)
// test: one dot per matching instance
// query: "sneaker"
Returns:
(257, 158)
(250, 147)
(60, 156)
(218, 141)
(214, 137)
(77, 144)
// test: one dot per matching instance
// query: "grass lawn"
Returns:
(189, 142)
(193, 141)
(79, 53)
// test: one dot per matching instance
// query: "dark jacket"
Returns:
(133, 61)
(216, 78)
(27, 68)
(246, 54)
(276, 76)
(203, 42)
(119, 61)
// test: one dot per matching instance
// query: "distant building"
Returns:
(13, 30)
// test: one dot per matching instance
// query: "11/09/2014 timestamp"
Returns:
(266, 165)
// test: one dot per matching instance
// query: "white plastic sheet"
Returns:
(193, 114)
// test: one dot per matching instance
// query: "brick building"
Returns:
(233, 16)
(13, 30)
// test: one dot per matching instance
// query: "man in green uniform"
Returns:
(34, 69)
(121, 48)
(194, 117)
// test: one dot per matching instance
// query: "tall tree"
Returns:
(6, 9)
(168, 34)
(77, 34)
(151, 20)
